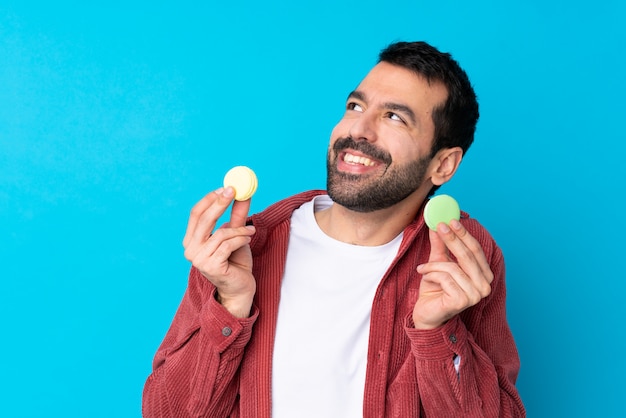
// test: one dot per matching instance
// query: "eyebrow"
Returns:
(396, 107)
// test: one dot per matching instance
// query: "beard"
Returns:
(362, 193)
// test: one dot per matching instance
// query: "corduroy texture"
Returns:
(211, 364)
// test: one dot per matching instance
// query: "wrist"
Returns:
(239, 307)
(422, 324)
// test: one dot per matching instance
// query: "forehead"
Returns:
(392, 83)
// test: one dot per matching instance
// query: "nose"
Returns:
(363, 128)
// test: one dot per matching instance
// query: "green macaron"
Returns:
(441, 208)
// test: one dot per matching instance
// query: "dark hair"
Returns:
(455, 121)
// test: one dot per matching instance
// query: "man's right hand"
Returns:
(223, 256)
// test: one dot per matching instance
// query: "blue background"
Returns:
(116, 117)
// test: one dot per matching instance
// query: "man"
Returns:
(344, 304)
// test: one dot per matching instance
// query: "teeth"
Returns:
(353, 159)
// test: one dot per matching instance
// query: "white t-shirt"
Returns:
(320, 352)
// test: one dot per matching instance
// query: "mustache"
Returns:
(365, 147)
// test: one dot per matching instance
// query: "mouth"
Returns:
(354, 162)
(359, 157)
(354, 159)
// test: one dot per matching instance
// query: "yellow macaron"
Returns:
(243, 180)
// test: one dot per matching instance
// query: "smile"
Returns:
(355, 159)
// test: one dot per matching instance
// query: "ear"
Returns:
(446, 162)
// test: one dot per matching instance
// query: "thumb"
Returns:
(438, 249)
(239, 213)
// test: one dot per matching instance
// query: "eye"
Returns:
(354, 106)
(395, 116)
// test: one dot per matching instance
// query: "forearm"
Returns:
(478, 388)
(187, 382)
(196, 367)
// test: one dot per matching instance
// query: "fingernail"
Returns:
(455, 224)
(420, 267)
(229, 192)
(251, 228)
(444, 228)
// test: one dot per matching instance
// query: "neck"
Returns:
(371, 228)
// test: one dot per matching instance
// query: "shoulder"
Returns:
(485, 239)
(278, 214)
(282, 209)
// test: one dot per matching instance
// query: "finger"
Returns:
(474, 290)
(438, 249)
(468, 251)
(196, 213)
(217, 250)
(455, 297)
(239, 213)
(208, 218)
(469, 257)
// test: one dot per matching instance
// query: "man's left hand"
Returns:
(451, 285)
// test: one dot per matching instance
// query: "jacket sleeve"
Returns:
(195, 370)
(487, 363)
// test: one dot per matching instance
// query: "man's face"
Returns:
(379, 152)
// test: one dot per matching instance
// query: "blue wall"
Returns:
(116, 118)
